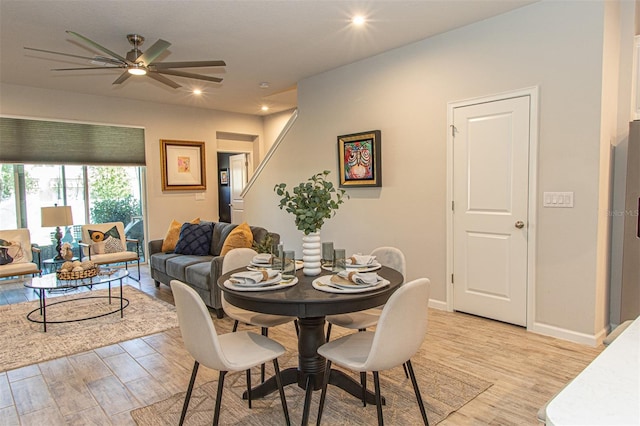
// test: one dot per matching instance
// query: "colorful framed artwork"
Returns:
(224, 177)
(183, 165)
(360, 159)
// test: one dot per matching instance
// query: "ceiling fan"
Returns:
(135, 62)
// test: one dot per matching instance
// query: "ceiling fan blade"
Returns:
(97, 46)
(163, 79)
(93, 59)
(86, 68)
(188, 75)
(153, 52)
(125, 75)
(189, 64)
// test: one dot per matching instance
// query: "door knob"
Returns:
(519, 224)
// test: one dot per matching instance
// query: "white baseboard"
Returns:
(570, 335)
(438, 304)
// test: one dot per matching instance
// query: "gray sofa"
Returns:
(200, 272)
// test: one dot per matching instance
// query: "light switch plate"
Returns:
(199, 196)
(557, 199)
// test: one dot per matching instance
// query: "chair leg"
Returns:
(216, 413)
(249, 386)
(187, 398)
(363, 383)
(276, 367)
(235, 326)
(417, 391)
(376, 383)
(328, 331)
(323, 395)
(265, 333)
(295, 323)
(406, 373)
(307, 399)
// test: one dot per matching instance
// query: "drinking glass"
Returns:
(288, 265)
(327, 255)
(339, 260)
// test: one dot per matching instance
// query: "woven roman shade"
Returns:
(55, 142)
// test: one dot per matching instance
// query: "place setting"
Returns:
(355, 274)
(265, 272)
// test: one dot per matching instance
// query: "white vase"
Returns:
(311, 254)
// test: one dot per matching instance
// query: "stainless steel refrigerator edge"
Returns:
(630, 292)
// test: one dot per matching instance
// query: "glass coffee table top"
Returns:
(51, 282)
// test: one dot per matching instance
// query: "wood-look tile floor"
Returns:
(102, 386)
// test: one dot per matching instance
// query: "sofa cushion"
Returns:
(173, 234)
(220, 232)
(158, 261)
(240, 237)
(199, 275)
(195, 239)
(176, 266)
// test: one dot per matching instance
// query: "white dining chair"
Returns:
(227, 352)
(401, 329)
(361, 320)
(234, 259)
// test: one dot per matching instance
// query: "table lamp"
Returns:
(57, 216)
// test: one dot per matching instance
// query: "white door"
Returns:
(237, 180)
(490, 205)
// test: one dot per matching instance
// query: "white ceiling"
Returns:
(280, 42)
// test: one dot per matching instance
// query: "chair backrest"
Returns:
(401, 327)
(236, 258)
(106, 229)
(391, 257)
(197, 328)
(21, 237)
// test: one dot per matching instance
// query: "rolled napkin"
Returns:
(363, 278)
(262, 258)
(360, 259)
(249, 278)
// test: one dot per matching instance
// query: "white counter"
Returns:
(607, 392)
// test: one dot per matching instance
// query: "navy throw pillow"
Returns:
(195, 239)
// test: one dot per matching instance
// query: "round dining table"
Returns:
(311, 306)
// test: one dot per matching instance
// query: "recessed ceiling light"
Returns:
(265, 108)
(197, 92)
(264, 85)
(358, 20)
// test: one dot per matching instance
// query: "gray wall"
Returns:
(557, 46)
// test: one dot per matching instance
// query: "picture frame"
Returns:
(360, 159)
(224, 177)
(183, 165)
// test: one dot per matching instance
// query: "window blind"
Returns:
(55, 142)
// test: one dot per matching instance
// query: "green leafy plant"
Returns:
(264, 246)
(115, 210)
(312, 202)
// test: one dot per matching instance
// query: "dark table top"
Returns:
(304, 301)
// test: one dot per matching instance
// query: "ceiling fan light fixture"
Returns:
(137, 70)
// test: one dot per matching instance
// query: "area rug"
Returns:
(444, 390)
(25, 343)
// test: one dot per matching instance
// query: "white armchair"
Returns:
(17, 255)
(106, 243)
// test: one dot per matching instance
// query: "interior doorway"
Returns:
(491, 194)
(224, 187)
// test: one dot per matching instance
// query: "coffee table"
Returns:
(50, 282)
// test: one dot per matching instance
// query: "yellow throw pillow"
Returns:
(173, 233)
(240, 237)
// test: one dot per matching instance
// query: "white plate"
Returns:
(266, 266)
(360, 268)
(324, 283)
(276, 285)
